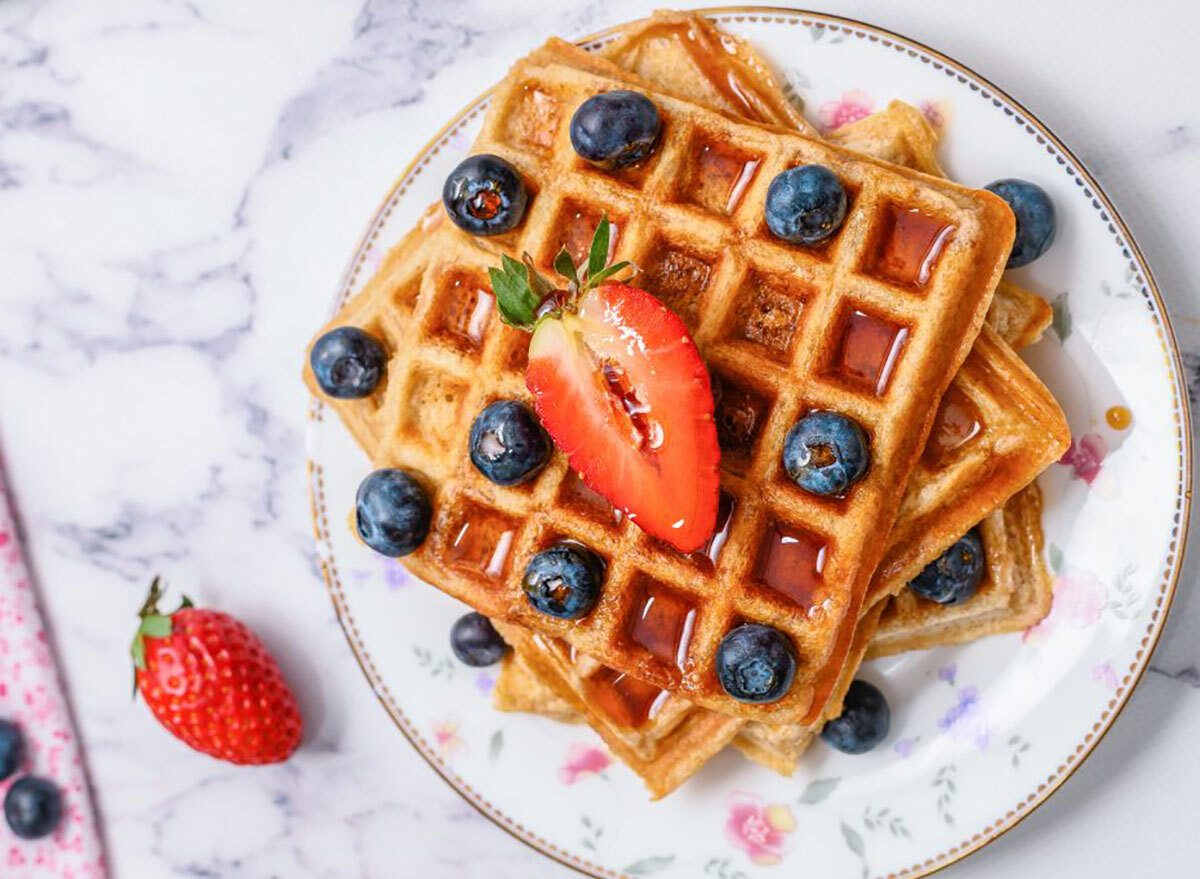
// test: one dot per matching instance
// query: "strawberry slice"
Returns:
(620, 387)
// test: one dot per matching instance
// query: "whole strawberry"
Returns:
(212, 684)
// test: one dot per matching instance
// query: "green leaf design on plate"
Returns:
(1056, 558)
(854, 841)
(1062, 316)
(495, 745)
(649, 866)
(818, 789)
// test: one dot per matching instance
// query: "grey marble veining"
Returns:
(180, 183)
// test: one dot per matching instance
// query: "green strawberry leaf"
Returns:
(606, 273)
(537, 283)
(156, 626)
(598, 255)
(138, 651)
(515, 299)
(565, 266)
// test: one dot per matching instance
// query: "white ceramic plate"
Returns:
(980, 734)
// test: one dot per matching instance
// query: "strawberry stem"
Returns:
(521, 290)
(152, 625)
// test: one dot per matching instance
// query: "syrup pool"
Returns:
(623, 699)
(791, 562)
(910, 243)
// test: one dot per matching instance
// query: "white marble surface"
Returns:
(180, 182)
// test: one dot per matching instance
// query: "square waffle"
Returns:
(401, 276)
(871, 343)
(1014, 595)
(1016, 590)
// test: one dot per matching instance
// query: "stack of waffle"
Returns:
(886, 323)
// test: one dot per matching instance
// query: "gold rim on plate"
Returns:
(1129, 248)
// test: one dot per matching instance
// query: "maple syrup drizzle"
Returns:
(956, 424)
(791, 562)
(663, 624)
(1119, 417)
(576, 493)
(720, 177)
(717, 63)
(711, 551)
(482, 545)
(578, 226)
(910, 246)
(468, 322)
(623, 699)
(870, 350)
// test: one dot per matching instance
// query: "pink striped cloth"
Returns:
(31, 695)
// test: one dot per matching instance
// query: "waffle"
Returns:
(1014, 595)
(401, 275)
(664, 739)
(1016, 590)
(686, 55)
(705, 260)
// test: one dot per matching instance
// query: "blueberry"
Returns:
(825, 453)
(508, 445)
(564, 580)
(11, 748)
(1036, 219)
(392, 512)
(33, 807)
(953, 576)
(615, 129)
(863, 723)
(485, 195)
(348, 363)
(475, 641)
(805, 205)
(755, 663)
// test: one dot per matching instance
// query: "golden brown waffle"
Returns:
(401, 274)
(662, 738)
(871, 341)
(1015, 594)
(686, 55)
(899, 134)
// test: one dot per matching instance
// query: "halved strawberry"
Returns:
(619, 385)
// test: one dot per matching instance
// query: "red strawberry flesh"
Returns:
(620, 386)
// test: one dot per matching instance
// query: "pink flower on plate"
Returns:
(852, 106)
(582, 760)
(758, 830)
(1079, 599)
(1086, 456)
(449, 742)
(1105, 675)
(935, 112)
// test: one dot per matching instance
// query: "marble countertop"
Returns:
(180, 183)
